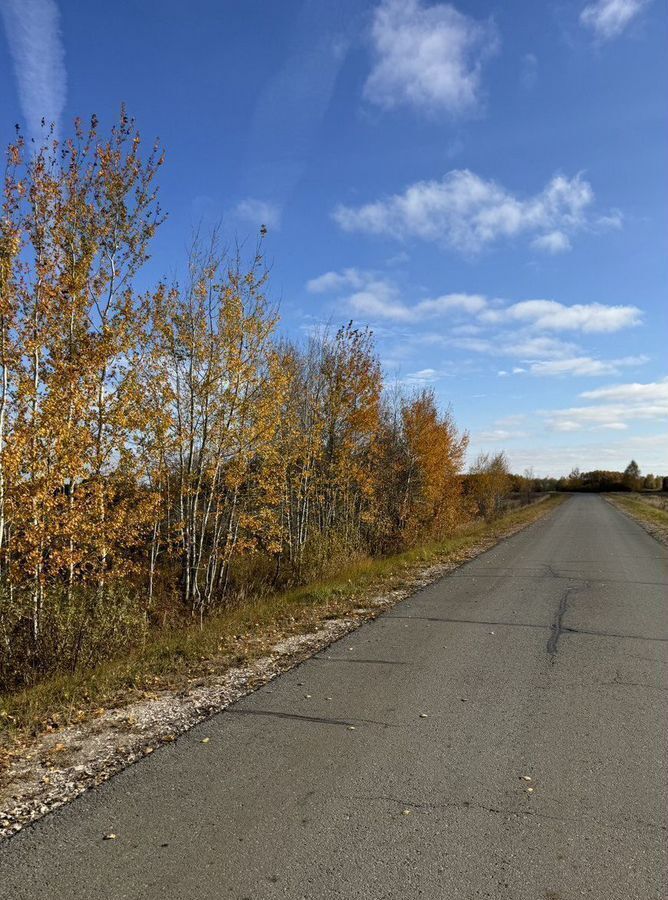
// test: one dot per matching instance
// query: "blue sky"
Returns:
(483, 183)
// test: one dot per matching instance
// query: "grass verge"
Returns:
(651, 517)
(174, 659)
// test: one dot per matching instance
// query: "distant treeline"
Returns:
(631, 479)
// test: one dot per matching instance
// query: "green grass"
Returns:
(172, 658)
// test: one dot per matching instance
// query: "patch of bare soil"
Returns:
(61, 764)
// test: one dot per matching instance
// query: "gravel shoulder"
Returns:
(57, 765)
(653, 520)
(500, 733)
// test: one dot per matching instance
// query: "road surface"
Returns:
(391, 764)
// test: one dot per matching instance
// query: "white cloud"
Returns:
(476, 345)
(613, 221)
(549, 315)
(334, 281)
(427, 57)
(534, 348)
(513, 419)
(529, 71)
(604, 453)
(542, 355)
(467, 213)
(499, 434)
(423, 377)
(469, 303)
(609, 18)
(33, 34)
(631, 393)
(621, 404)
(259, 212)
(584, 365)
(519, 331)
(552, 242)
(380, 297)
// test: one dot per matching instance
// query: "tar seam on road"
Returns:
(469, 621)
(344, 659)
(558, 627)
(316, 720)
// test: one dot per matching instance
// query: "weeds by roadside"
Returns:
(173, 658)
(649, 511)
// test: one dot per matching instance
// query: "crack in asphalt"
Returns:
(469, 621)
(557, 625)
(614, 634)
(343, 659)
(316, 720)
(515, 813)
(567, 576)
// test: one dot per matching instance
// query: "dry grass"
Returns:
(651, 510)
(173, 658)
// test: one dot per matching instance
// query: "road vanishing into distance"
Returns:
(395, 763)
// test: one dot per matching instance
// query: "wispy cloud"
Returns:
(529, 71)
(283, 127)
(427, 57)
(617, 405)
(585, 365)
(609, 18)
(259, 212)
(33, 35)
(380, 296)
(467, 213)
(545, 356)
(552, 242)
(495, 435)
(631, 393)
(598, 452)
(549, 315)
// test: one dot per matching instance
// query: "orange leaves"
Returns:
(168, 444)
(70, 340)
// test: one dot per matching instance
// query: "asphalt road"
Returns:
(545, 657)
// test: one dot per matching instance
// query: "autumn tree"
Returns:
(419, 483)
(163, 453)
(489, 483)
(632, 476)
(216, 386)
(77, 221)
